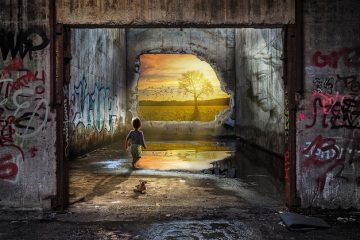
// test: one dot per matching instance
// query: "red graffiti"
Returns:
(350, 57)
(338, 111)
(14, 65)
(25, 79)
(7, 132)
(287, 165)
(33, 150)
(8, 170)
(321, 145)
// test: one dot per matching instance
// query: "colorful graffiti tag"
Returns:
(95, 108)
(24, 110)
(325, 152)
(349, 56)
(338, 111)
(334, 111)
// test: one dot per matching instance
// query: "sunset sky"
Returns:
(160, 73)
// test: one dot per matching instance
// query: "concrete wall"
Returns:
(328, 137)
(97, 90)
(167, 12)
(215, 46)
(27, 124)
(260, 87)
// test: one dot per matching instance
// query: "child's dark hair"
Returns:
(136, 123)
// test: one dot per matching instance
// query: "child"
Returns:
(135, 139)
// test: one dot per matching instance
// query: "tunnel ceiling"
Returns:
(159, 12)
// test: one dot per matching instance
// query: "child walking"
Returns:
(135, 139)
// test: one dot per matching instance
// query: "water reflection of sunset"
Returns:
(180, 159)
(160, 73)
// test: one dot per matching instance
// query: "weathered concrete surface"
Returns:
(103, 179)
(27, 123)
(248, 225)
(328, 137)
(166, 12)
(97, 91)
(215, 46)
(260, 88)
(177, 205)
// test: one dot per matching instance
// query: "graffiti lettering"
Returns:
(325, 152)
(331, 84)
(8, 170)
(338, 111)
(318, 146)
(22, 42)
(324, 85)
(350, 57)
(23, 113)
(33, 150)
(97, 108)
(350, 82)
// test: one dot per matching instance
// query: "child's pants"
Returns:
(135, 150)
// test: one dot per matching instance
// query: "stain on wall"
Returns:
(27, 124)
(215, 46)
(260, 103)
(328, 149)
(160, 12)
(97, 87)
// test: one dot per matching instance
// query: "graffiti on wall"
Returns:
(335, 110)
(24, 110)
(22, 42)
(349, 56)
(328, 155)
(95, 108)
(332, 84)
(334, 107)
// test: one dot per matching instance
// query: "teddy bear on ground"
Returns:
(141, 187)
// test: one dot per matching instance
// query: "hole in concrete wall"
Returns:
(179, 87)
(185, 144)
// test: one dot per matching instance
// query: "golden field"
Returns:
(180, 113)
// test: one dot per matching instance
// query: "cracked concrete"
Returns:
(179, 204)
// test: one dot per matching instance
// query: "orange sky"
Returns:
(160, 73)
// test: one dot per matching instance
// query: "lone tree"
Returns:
(195, 83)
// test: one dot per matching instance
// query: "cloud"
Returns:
(160, 74)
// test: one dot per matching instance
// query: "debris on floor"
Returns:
(296, 221)
(141, 187)
(346, 219)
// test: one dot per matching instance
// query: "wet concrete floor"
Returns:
(104, 179)
(182, 201)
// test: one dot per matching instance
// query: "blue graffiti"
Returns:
(97, 109)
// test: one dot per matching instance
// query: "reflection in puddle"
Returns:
(183, 155)
(112, 164)
(180, 159)
(230, 158)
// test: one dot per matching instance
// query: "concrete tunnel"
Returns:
(277, 127)
(104, 94)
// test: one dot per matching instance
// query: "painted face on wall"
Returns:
(264, 74)
(261, 85)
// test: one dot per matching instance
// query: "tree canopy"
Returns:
(196, 84)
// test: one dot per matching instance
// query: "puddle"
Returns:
(181, 159)
(183, 155)
(170, 155)
(261, 171)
